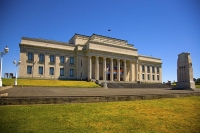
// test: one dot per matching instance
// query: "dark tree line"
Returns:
(197, 80)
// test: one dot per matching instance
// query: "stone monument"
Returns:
(184, 72)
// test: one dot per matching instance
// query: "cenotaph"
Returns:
(185, 72)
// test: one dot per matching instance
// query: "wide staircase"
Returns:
(137, 85)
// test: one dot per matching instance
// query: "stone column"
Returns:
(35, 65)
(111, 69)
(97, 68)
(151, 79)
(118, 69)
(140, 73)
(160, 74)
(125, 73)
(131, 71)
(104, 68)
(136, 70)
(46, 65)
(145, 76)
(57, 68)
(155, 74)
(89, 67)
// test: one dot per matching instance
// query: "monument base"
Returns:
(185, 86)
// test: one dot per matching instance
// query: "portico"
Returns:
(116, 68)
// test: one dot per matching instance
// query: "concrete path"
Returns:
(58, 95)
(58, 91)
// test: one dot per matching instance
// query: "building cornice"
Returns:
(118, 46)
(150, 57)
(45, 40)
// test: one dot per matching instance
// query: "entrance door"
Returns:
(108, 76)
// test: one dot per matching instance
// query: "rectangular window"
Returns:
(71, 60)
(153, 70)
(71, 72)
(51, 70)
(30, 56)
(143, 68)
(61, 71)
(52, 58)
(40, 71)
(157, 69)
(81, 63)
(62, 59)
(148, 69)
(153, 77)
(41, 57)
(143, 76)
(29, 69)
(148, 77)
(158, 77)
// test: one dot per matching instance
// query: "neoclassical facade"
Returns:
(86, 58)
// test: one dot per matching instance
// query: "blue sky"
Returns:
(160, 28)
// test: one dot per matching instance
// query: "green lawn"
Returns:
(176, 115)
(174, 85)
(45, 82)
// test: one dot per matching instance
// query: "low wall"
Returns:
(86, 99)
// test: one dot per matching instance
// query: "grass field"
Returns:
(177, 115)
(197, 86)
(44, 82)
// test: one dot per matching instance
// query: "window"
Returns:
(40, 70)
(148, 77)
(61, 71)
(62, 59)
(153, 77)
(41, 57)
(158, 77)
(143, 76)
(148, 68)
(51, 71)
(157, 69)
(71, 72)
(71, 60)
(30, 56)
(81, 62)
(52, 58)
(29, 69)
(143, 68)
(153, 70)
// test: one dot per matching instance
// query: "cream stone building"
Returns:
(87, 57)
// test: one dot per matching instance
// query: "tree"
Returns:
(197, 80)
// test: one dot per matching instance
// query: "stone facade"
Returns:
(87, 58)
(185, 71)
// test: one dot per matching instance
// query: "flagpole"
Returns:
(109, 30)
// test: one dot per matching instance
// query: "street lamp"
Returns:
(16, 64)
(6, 50)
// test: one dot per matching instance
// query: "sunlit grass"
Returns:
(61, 83)
(197, 86)
(177, 115)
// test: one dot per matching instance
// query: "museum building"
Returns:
(94, 57)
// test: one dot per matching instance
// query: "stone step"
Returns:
(136, 85)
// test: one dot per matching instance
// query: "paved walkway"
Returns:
(70, 92)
